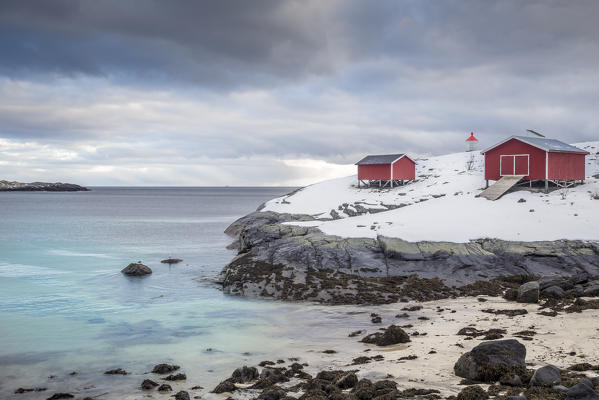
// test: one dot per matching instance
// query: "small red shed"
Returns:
(535, 159)
(386, 169)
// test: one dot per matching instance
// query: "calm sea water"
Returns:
(65, 306)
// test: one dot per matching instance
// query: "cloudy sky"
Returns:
(276, 92)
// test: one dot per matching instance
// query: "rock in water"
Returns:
(392, 335)
(489, 361)
(165, 368)
(529, 292)
(118, 371)
(224, 387)
(548, 375)
(182, 395)
(148, 384)
(245, 374)
(176, 377)
(58, 396)
(165, 388)
(170, 261)
(136, 269)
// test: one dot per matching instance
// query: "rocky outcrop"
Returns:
(294, 262)
(11, 186)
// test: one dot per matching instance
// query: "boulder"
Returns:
(182, 395)
(176, 377)
(555, 280)
(347, 381)
(583, 390)
(165, 387)
(489, 361)
(591, 291)
(225, 386)
(148, 384)
(578, 290)
(136, 269)
(554, 291)
(392, 335)
(245, 374)
(529, 292)
(547, 375)
(272, 394)
(164, 368)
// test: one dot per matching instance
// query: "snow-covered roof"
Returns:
(543, 144)
(380, 159)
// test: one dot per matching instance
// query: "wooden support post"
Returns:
(546, 186)
(487, 185)
(391, 183)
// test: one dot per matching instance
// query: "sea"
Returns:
(67, 313)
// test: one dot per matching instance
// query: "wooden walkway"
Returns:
(499, 188)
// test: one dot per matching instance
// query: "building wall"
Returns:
(513, 147)
(374, 172)
(566, 166)
(404, 169)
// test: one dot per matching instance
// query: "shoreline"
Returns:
(435, 343)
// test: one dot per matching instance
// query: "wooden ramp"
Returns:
(499, 188)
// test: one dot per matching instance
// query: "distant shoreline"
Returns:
(12, 186)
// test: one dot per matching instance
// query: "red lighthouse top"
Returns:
(472, 138)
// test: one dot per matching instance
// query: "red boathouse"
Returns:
(386, 169)
(535, 159)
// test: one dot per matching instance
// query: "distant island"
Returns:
(8, 186)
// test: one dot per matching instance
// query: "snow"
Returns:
(442, 206)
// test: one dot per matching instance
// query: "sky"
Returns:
(261, 92)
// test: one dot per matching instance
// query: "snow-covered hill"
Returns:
(442, 206)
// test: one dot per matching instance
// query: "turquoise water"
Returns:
(65, 306)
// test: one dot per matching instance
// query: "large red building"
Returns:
(386, 169)
(535, 159)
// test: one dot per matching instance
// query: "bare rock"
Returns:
(392, 335)
(136, 269)
(489, 361)
(547, 375)
(182, 395)
(529, 292)
(148, 384)
(245, 374)
(165, 368)
(225, 386)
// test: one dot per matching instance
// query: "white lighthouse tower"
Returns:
(471, 143)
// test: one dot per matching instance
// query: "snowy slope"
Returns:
(441, 206)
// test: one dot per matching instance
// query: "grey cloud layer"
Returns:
(143, 83)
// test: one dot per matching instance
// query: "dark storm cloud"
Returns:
(215, 43)
(249, 43)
